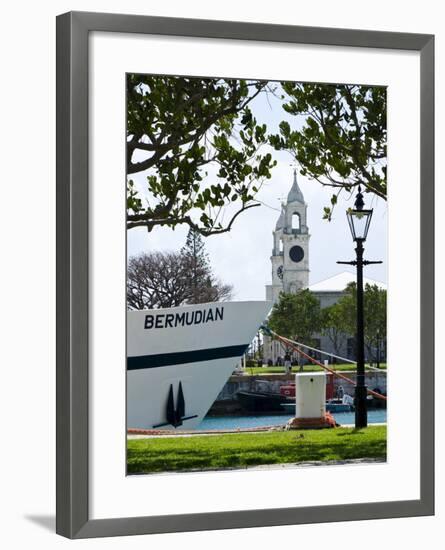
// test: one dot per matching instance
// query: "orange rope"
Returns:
(335, 373)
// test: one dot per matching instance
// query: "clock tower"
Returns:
(290, 258)
(290, 252)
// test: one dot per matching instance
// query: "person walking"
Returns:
(287, 362)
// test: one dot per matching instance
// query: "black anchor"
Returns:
(175, 417)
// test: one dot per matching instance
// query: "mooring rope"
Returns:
(335, 373)
(300, 344)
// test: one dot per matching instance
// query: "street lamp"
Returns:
(359, 219)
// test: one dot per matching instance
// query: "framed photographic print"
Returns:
(245, 296)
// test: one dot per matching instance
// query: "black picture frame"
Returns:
(72, 273)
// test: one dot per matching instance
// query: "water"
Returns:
(235, 422)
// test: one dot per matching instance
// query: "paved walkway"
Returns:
(350, 461)
(293, 465)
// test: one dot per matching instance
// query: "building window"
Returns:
(296, 222)
(281, 245)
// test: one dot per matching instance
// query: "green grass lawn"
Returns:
(167, 454)
(307, 368)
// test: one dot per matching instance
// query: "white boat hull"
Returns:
(193, 347)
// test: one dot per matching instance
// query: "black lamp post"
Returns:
(359, 220)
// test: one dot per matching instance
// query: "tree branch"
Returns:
(145, 220)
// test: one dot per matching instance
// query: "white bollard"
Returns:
(310, 395)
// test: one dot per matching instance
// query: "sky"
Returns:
(241, 257)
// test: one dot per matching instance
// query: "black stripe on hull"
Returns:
(179, 358)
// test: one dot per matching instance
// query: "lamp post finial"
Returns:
(359, 202)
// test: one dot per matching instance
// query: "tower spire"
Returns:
(295, 194)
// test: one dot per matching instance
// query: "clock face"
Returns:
(296, 254)
(280, 271)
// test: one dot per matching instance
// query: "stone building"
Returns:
(290, 273)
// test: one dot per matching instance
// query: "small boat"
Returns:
(262, 398)
(339, 405)
(334, 405)
(252, 401)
